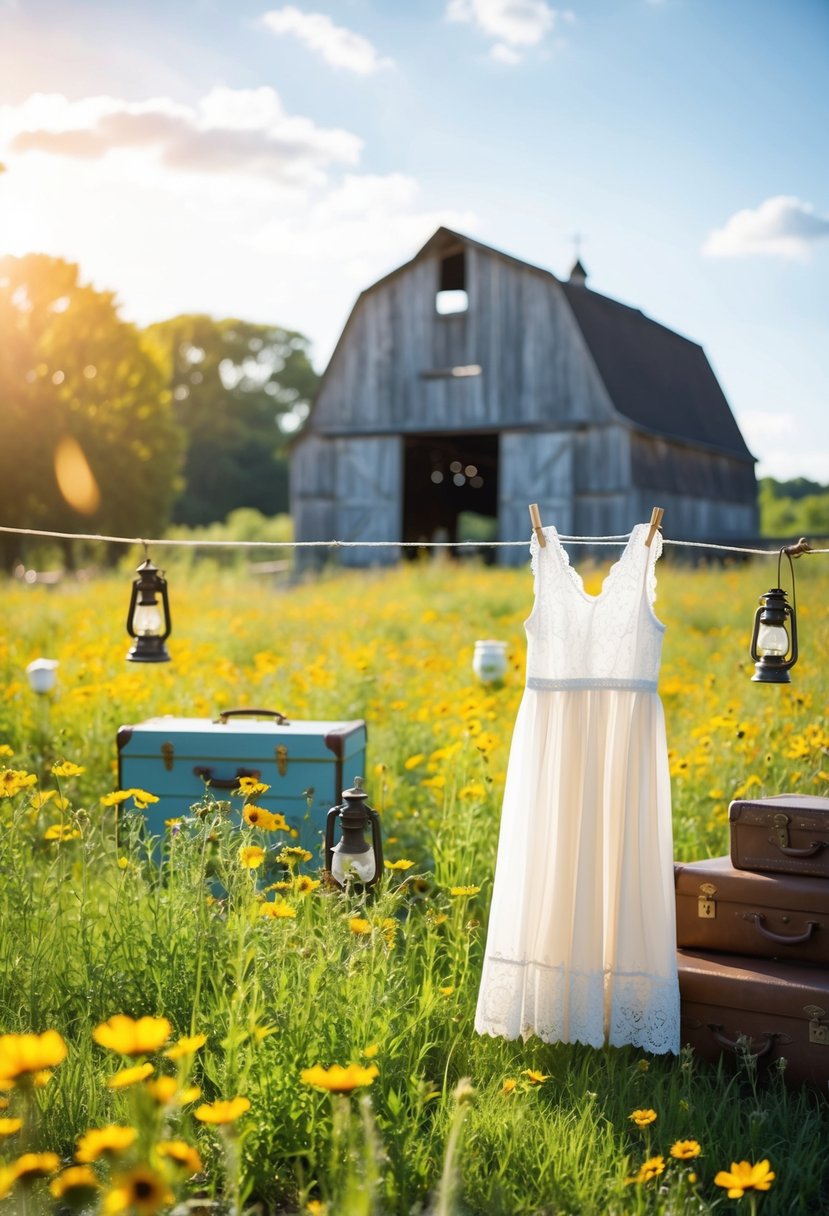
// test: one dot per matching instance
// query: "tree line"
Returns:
(111, 429)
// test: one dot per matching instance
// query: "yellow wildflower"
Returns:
(402, 864)
(130, 1076)
(132, 1037)
(685, 1150)
(9, 1126)
(648, 1170)
(77, 1184)
(509, 1085)
(67, 769)
(371, 1051)
(29, 1053)
(359, 925)
(642, 1118)
(744, 1177)
(251, 856)
(141, 1190)
(251, 787)
(339, 1080)
(277, 909)
(536, 1078)
(162, 1089)
(61, 832)
(116, 797)
(223, 1111)
(265, 820)
(35, 1165)
(305, 885)
(142, 799)
(186, 1046)
(292, 853)
(181, 1153)
(13, 780)
(447, 990)
(460, 892)
(413, 761)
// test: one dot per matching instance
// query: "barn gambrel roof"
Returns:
(657, 379)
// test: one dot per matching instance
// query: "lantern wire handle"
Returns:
(791, 551)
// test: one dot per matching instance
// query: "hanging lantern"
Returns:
(774, 640)
(353, 859)
(148, 621)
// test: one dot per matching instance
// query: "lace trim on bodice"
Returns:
(552, 537)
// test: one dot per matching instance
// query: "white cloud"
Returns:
(515, 25)
(239, 132)
(291, 246)
(338, 46)
(782, 226)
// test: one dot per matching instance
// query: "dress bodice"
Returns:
(607, 640)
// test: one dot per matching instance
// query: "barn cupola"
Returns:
(578, 275)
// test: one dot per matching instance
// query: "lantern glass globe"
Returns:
(361, 866)
(147, 620)
(772, 640)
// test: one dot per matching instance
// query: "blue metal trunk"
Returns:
(306, 764)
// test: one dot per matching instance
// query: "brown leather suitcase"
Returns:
(783, 916)
(774, 1011)
(787, 834)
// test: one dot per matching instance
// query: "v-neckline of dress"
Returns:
(576, 578)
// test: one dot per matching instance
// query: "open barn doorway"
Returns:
(450, 489)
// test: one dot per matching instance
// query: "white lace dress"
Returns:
(582, 942)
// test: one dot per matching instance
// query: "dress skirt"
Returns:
(581, 944)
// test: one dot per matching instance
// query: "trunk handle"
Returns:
(784, 939)
(225, 783)
(737, 1044)
(224, 714)
(809, 851)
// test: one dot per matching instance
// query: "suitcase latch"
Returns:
(781, 831)
(818, 1026)
(282, 759)
(168, 755)
(706, 904)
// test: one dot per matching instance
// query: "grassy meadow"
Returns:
(223, 1098)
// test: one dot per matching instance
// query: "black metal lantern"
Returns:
(353, 859)
(148, 621)
(774, 640)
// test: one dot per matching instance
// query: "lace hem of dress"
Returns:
(520, 999)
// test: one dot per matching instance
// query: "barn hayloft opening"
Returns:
(450, 488)
(452, 294)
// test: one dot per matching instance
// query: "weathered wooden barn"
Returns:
(467, 380)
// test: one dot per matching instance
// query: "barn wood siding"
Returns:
(517, 328)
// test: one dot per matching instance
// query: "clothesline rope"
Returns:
(617, 539)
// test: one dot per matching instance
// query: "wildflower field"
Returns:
(223, 1031)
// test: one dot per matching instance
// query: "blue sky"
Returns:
(271, 160)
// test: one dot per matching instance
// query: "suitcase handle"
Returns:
(738, 1044)
(225, 783)
(784, 939)
(224, 714)
(809, 851)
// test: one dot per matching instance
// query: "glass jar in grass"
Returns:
(489, 661)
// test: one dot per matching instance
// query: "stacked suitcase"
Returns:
(753, 938)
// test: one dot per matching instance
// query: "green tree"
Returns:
(238, 390)
(72, 371)
(794, 508)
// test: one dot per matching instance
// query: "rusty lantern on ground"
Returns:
(774, 639)
(354, 860)
(148, 618)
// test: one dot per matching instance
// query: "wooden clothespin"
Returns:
(536, 522)
(656, 520)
